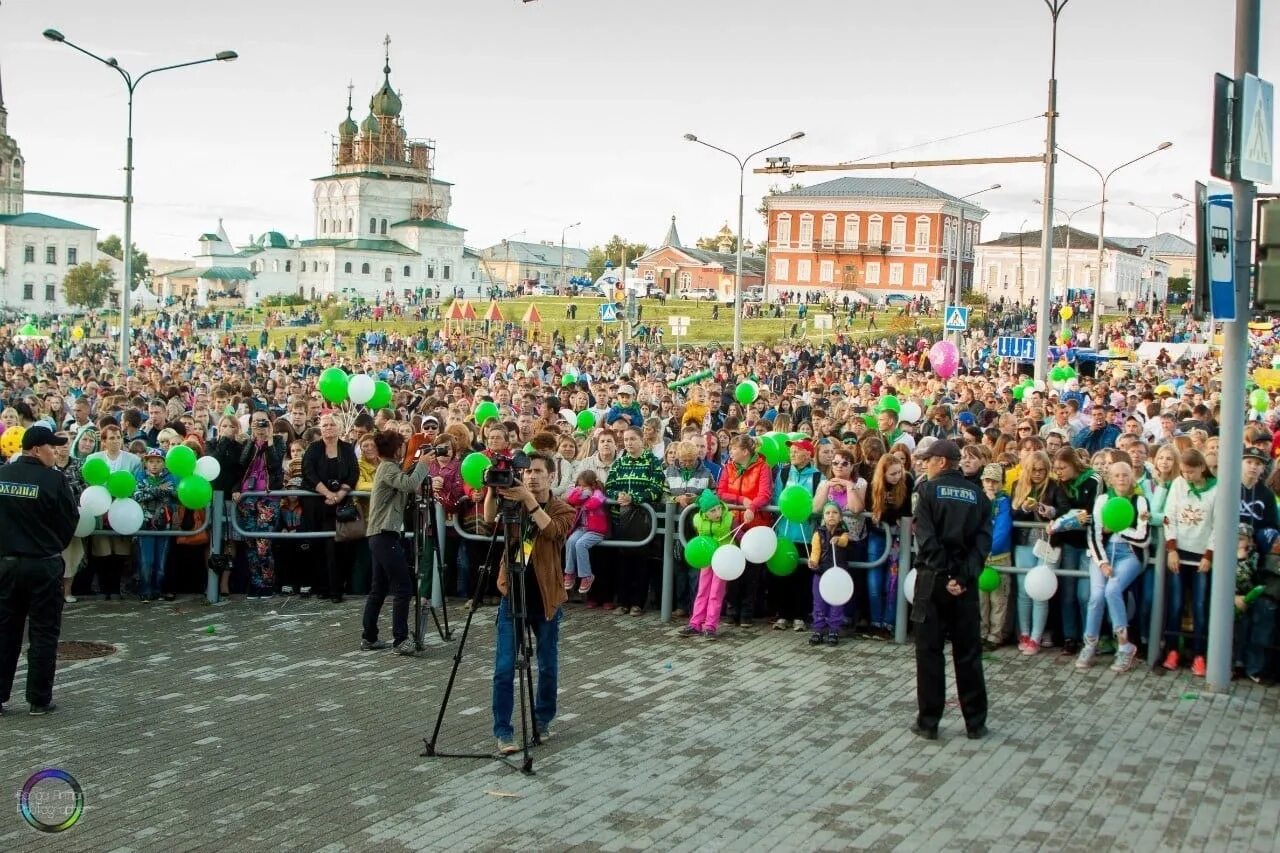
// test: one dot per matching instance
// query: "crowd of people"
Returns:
(1050, 454)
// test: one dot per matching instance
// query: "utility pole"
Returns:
(1046, 227)
(1235, 359)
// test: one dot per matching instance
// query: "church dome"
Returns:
(370, 125)
(385, 101)
(348, 129)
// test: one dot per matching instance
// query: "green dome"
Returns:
(385, 101)
(370, 125)
(348, 129)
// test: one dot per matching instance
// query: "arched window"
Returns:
(806, 231)
(384, 226)
(364, 269)
(828, 231)
(386, 274)
(875, 231)
(898, 232)
(923, 233)
(851, 223)
(275, 266)
(373, 226)
(324, 226)
(783, 236)
(348, 223)
(406, 272)
(685, 280)
(288, 266)
(346, 267)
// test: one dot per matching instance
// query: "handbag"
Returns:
(351, 525)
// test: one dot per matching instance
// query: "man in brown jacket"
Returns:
(547, 523)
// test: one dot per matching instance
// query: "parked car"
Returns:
(896, 299)
(543, 290)
(753, 294)
(701, 294)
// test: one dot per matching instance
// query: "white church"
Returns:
(381, 223)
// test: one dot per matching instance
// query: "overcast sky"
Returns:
(559, 111)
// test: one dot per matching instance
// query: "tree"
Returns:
(1179, 288)
(89, 284)
(612, 251)
(141, 263)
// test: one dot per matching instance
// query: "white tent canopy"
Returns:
(142, 296)
(1150, 350)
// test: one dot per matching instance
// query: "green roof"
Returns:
(385, 177)
(212, 273)
(208, 236)
(42, 220)
(427, 223)
(393, 247)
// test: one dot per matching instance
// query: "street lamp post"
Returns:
(737, 278)
(1068, 216)
(1157, 215)
(958, 242)
(562, 232)
(131, 84)
(1102, 223)
(1046, 229)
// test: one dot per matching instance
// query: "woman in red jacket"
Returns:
(746, 484)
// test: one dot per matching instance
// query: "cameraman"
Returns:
(547, 522)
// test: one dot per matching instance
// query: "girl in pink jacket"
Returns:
(590, 525)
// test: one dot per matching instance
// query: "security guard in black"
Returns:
(38, 517)
(953, 533)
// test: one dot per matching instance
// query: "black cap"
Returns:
(1249, 452)
(946, 448)
(37, 436)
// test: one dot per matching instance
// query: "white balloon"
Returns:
(910, 412)
(360, 388)
(728, 562)
(1041, 583)
(86, 523)
(881, 366)
(125, 516)
(208, 468)
(758, 544)
(95, 499)
(835, 586)
(910, 586)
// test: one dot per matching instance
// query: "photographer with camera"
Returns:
(542, 521)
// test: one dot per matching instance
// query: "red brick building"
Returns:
(876, 236)
(677, 268)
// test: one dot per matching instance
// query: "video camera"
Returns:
(502, 473)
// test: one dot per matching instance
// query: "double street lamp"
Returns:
(131, 84)
(563, 282)
(737, 279)
(1102, 222)
(1069, 216)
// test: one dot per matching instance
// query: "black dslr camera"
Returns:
(502, 475)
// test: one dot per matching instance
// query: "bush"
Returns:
(287, 301)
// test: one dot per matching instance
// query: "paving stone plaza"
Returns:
(273, 733)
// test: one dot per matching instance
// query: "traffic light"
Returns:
(1267, 291)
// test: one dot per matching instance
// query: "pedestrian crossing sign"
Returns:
(608, 313)
(957, 319)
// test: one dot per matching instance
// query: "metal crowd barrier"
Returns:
(160, 533)
(284, 534)
(852, 564)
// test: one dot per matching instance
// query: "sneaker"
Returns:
(170, 596)
(746, 623)
(374, 646)
(584, 586)
(1125, 656)
(817, 638)
(246, 598)
(780, 625)
(1023, 641)
(544, 733)
(568, 581)
(1046, 642)
(304, 591)
(710, 633)
(797, 625)
(608, 605)
(41, 710)
(592, 605)
(976, 733)
(1031, 648)
(405, 647)
(70, 599)
(506, 746)
(1070, 648)
(286, 590)
(1198, 666)
(1171, 661)
(987, 645)
(636, 611)
(833, 639)
(679, 613)
(689, 631)
(1088, 652)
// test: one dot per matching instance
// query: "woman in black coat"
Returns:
(226, 449)
(260, 469)
(329, 468)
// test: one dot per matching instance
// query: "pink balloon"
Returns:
(945, 359)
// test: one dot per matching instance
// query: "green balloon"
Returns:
(1259, 400)
(195, 492)
(870, 420)
(784, 560)
(989, 580)
(1018, 391)
(332, 385)
(121, 484)
(486, 411)
(29, 330)
(773, 447)
(796, 436)
(586, 420)
(567, 380)
(796, 504)
(699, 551)
(381, 396)
(889, 403)
(95, 472)
(528, 447)
(1117, 515)
(747, 392)
(181, 461)
(473, 467)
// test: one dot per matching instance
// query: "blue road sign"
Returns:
(1255, 142)
(608, 313)
(1023, 349)
(1222, 285)
(957, 318)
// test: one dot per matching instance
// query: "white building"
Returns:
(1010, 267)
(381, 223)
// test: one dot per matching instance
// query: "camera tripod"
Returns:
(427, 539)
(511, 523)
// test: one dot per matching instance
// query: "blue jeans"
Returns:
(1032, 615)
(1125, 568)
(1074, 591)
(1188, 578)
(546, 637)
(577, 552)
(881, 614)
(1255, 631)
(152, 553)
